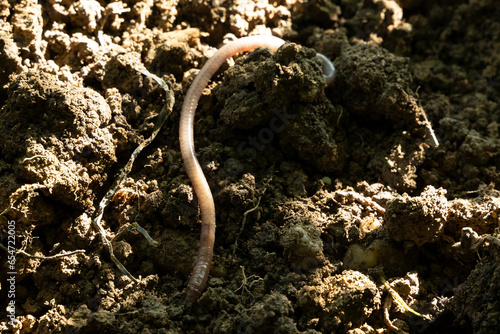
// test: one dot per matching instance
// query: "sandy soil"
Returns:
(350, 189)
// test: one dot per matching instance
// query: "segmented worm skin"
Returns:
(199, 276)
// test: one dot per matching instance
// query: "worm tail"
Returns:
(199, 276)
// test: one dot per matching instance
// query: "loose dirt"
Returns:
(320, 192)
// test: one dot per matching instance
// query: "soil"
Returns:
(321, 192)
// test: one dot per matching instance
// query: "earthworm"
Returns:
(199, 276)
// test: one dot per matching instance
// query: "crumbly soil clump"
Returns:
(330, 200)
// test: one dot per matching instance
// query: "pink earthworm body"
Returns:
(199, 276)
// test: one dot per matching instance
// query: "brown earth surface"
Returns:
(312, 214)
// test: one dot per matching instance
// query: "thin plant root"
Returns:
(162, 117)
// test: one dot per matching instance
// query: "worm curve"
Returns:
(199, 276)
